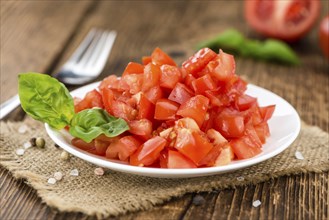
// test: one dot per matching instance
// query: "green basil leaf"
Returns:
(90, 123)
(45, 99)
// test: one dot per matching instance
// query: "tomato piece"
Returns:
(291, 19)
(196, 108)
(198, 61)
(202, 84)
(267, 112)
(153, 94)
(101, 146)
(170, 76)
(192, 144)
(152, 75)
(324, 36)
(108, 99)
(252, 134)
(210, 159)
(141, 127)
(244, 102)
(216, 138)
(127, 146)
(133, 68)
(188, 123)
(148, 152)
(122, 110)
(159, 57)
(180, 94)
(145, 108)
(177, 160)
(244, 148)
(146, 60)
(188, 80)
(230, 125)
(92, 99)
(222, 67)
(89, 147)
(112, 82)
(163, 158)
(165, 109)
(262, 131)
(225, 157)
(132, 82)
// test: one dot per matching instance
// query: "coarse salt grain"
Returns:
(22, 129)
(27, 145)
(256, 203)
(99, 171)
(20, 151)
(58, 175)
(74, 172)
(299, 155)
(240, 178)
(52, 181)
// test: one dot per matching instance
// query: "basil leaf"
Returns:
(90, 123)
(45, 99)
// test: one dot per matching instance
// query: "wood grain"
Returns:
(141, 26)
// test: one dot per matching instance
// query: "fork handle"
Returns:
(9, 105)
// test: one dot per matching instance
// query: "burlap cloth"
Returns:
(117, 193)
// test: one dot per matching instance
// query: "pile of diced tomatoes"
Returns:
(188, 116)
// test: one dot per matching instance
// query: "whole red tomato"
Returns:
(324, 35)
(287, 20)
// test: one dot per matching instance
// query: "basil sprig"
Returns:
(269, 50)
(47, 100)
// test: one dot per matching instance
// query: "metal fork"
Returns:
(85, 64)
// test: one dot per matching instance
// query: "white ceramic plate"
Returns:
(284, 127)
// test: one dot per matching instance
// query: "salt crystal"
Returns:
(240, 178)
(99, 171)
(22, 129)
(58, 176)
(74, 172)
(27, 145)
(299, 155)
(256, 203)
(52, 181)
(20, 151)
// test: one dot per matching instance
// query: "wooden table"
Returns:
(39, 36)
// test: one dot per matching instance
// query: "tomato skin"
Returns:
(170, 76)
(153, 94)
(230, 125)
(324, 36)
(165, 109)
(177, 160)
(180, 93)
(290, 26)
(133, 68)
(195, 108)
(108, 99)
(146, 60)
(159, 58)
(198, 61)
(244, 102)
(152, 75)
(145, 108)
(127, 146)
(148, 152)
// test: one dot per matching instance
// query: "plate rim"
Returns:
(176, 173)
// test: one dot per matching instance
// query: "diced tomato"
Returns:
(122, 110)
(149, 152)
(132, 82)
(170, 76)
(159, 57)
(112, 82)
(101, 147)
(222, 67)
(244, 102)
(153, 94)
(267, 112)
(92, 99)
(133, 68)
(188, 81)
(230, 125)
(180, 93)
(165, 109)
(196, 108)
(108, 99)
(146, 60)
(152, 75)
(210, 159)
(145, 108)
(244, 148)
(262, 131)
(188, 123)
(89, 147)
(177, 160)
(163, 158)
(252, 134)
(225, 157)
(141, 127)
(127, 146)
(192, 144)
(198, 61)
(202, 84)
